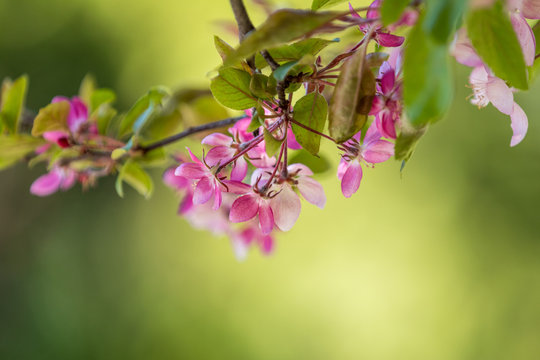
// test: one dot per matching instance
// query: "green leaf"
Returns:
(281, 72)
(272, 145)
(494, 39)
(13, 98)
(258, 85)
(407, 140)
(318, 164)
(231, 89)
(133, 174)
(319, 4)
(202, 110)
(427, 79)
(311, 111)
(281, 27)
(14, 148)
(442, 17)
(391, 10)
(100, 97)
(151, 99)
(295, 51)
(87, 88)
(534, 70)
(51, 118)
(223, 49)
(354, 91)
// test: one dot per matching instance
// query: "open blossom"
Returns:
(208, 184)
(387, 102)
(379, 35)
(181, 185)
(371, 151)
(59, 178)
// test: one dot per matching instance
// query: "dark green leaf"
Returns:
(14, 148)
(231, 89)
(281, 72)
(319, 4)
(407, 140)
(427, 79)
(136, 177)
(13, 98)
(311, 111)
(52, 117)
(493, 37)
(295, 51)
(271, 143)
(391, 10)
(258, 85)
(442, 17)
(281, 27)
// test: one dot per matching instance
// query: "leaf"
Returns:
(87, 88)
(319, 4)
(281, 72)
(391, 10)
(258, 85)
(222, 47)
(407, 140)
(295, 51)
(100, 97)
(150, 99)
(14, 148)
(279, 28)
(272, 145)
(353, 90)
(442, 17)
(51, 118)
(13, 99)
(231, 89)
(534, 70)
(427, 79)
(494, 39)
(311, 111)
(133, 174)
(318, 164)
(202, 110)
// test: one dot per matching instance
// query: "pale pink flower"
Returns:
(251, 236)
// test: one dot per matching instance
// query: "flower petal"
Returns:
(525, 36)
(286, 207)
(244, 208)
(389, 40)
(203, 191)
(266, 218)
(312, 191)
(500, 95)
(236, 187)
(531, 9)
(190, 171)
(351, 179)
(519, 125)
(78, 114)
(46, 184)
(217, 139)
(219, 155)
(378, 151)
(464, 52)
(299, 169)
(55, 136)
(217, 198)
(239, 170)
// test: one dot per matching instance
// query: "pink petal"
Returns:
(186, 204)
(387, 79)
(203, 191)
(46, 184)
(464, 52)
(500, 95)
(378, 151)
(190, 171)
(372, 134)
(193, 157)
(266, 242)
(286, 207)
(78, 114)
(373, 11)
(300, 169)
(266, 218)
(525, 36)
(219, 155)
(217, 139)
(519, 125)
(291, 141)
(351, 179)
(312, 191)
(531, 9)
(342, 168)
(244, 208)
(68, 180)
(217, 198)
(236, 187)
(173, 181)
(385, 124)
(389, 40)
(239, 170)
(55, 136)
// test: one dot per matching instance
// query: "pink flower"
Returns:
(224, 149)
(373, 150)
(208, 184)
(181, 185)
(255, 203)
(58, 178)
(382, 38)
(387, 103)
(251, 235)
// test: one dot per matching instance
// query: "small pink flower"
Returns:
(182, 186)
(251, 235)
(57, 179)
(382, 38)
(246, 207)
(77, 121)
(387, 102)
(373, 150)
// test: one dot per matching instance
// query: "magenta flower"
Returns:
(208, 184)
(58, 178)
(379, 35)
(182, 186)
(387, 102)
(224, 149)
(373, 150)
(255, 203)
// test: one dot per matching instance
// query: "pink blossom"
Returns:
(371, 151)
(250, 236)
(77, 122)
(59, 178)
(382, 38)
(387, 102)
(183, 186)
(246, 207)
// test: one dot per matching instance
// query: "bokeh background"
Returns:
(442, 262)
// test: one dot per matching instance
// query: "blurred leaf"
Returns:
(202, 110)
(376, 59)
(104, 115)
(350, 94)
(149, 100)
(133, 174)
(534, 70)
(87, 88)
(279, 28)
(223, 49)
(427, 79)
(494, 39)
(13, 99)
(407, 140)
(295, 51)
(272, 145)
(231, 88)
(100, 97)
(281, 72)
(311, 111)
(442, 17)
(258, 85)
(318, 164)
(391, 10)
(319, 4)
(52, 117)
(15, 147)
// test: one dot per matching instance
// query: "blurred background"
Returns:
(441, 262)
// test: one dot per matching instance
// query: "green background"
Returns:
(442, 262)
